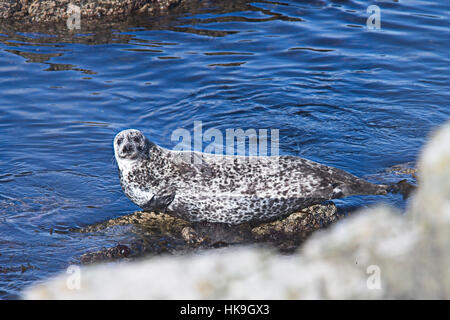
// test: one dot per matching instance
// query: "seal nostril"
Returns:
(127, 148)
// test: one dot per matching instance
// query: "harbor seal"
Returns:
(226, 189)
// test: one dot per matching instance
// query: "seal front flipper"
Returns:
(160, 201)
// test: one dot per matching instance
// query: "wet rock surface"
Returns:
(53, 11)
(407, 168)
(290, 232)
(159, 233)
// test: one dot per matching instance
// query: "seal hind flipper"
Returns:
(362, 188)
(403, 187)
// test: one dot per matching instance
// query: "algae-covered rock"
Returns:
(151, 222)
(299, 224)
(161, 233)
(404, 168)
(156, 233)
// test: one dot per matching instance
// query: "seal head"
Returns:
(133, 153)
(131, 145)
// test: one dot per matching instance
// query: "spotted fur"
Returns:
(226, 189)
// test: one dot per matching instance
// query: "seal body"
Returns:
(226, 189)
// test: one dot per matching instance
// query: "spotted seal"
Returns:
(226, 189)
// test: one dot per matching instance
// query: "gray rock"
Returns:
(57, 10)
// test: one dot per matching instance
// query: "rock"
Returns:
(404, 169)
(156, 233)
(191, 236)
(8, 8)
(303, 222)
(151, 222)
(290, 232)
(434, 179)
(377, 253)
(147, 246)
(119, 251)
(57, 10)
(162, 233)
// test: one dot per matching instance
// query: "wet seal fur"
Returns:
(227, 189)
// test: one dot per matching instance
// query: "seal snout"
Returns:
(130, 144)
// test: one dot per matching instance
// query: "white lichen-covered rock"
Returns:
(432, 202)
(375, 254)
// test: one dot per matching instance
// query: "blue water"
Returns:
(358, 99)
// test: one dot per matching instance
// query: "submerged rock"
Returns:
(407, 168)
(374, 254)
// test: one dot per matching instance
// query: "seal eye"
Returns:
(119, 141)
(137, 139)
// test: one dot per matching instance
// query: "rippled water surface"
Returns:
(340, 94)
